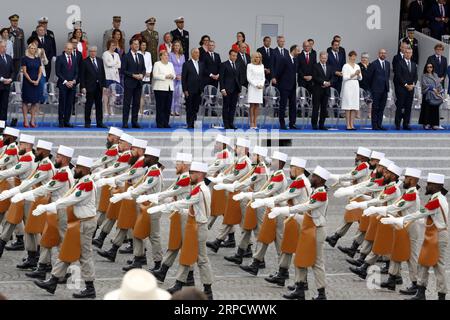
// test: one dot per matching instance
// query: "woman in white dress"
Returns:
(256, 79)
(351, 75)
(112, 64)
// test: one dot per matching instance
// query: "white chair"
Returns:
(417, 102)
(304, 104)
(271, 102)
(148, 107)
(365, 105)
(80, 104)
(446, 107)
(242, 108)
(389, 111)
(212, 104)
(115, 99)
(15, 99)
(334, 105)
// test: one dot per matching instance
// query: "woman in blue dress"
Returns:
(32, 72)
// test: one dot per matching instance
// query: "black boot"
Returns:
(389, 283)
(360, 271)
(156, 266)
(160, 274)
(207, 290)
(322, 295)
(358, 262)
(2, 247)
(292, 288)
(128, 248)
(332, 240)
(17, 245)
(420, 294)
(64, 279)
(297, 294)
(441, 296)
(48, 285)
(230, 242)
(138, 262)
(237, 258)
(253, 268)
(248, 253)
(98, 242)
(190, 281)
(40, 272)
(110, 254)
(176, 287)
(411, 290)
(350, 251)
(30, 262)
(279, 278)
(385, 269)
(214, 245)
(88, 292)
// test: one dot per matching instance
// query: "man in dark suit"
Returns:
(46, 42)
(266, 53)
(212, 65)
(322, 81)
(336, 60)
(182, 35)
(92, 82)
(438, 19)
(378, 75)
(306, 60)
(413, 43)
(192, 82)
(279, 52)
(286, 79)
(6, 78)
(417, 14)
(78, 59)
(405, 78)
(243, 60)
(133, 69)
(66, 70)
(400, 56)
(230, 86)
(439, 61)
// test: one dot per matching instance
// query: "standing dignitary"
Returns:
(133, 69)
(266, 53)
(336, 61)
(17, 36)
(279, 52)
(230, 87)
(378, 74)
(439, 61)
(107, 35)
(322, 81)
(151, 36)
(181, 35)
(77, 243)
(6, 78)
(439, 17)
(92, 83)
(243, 59)
(192, 82)
(417, 14)
(46, 42)
(306, 60)
(212, 63)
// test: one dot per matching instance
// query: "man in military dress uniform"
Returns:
(17, 36)
(413, 44)
(151, 36)
(181, 35)
(107, 35)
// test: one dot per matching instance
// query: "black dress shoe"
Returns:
(61, 125)
(87, 125)
(136, 126)
(101, 126)
(68, 125)
(124, 126)
(407, 128)
(315, 127)
(382, 129)
(323, 128)
(283, 128)
(293, 127)
(397, 128)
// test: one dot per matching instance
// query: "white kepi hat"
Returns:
(280, 156)
(377, 155)
(85, 162)
(42, 144)
(199, 167)
(298, 162)
(150, 151)
(115, 131)
(395, 169)
(65, 151)
(127, 138)
(138, 284)
(412, 172)
(139, 143)
(262, 151)
(321, 172)
(184, 157)
(241, 142)
(11, 132)
(222, 139)
(436, 178)
(364, 152)
(385, 162)
(27, 138)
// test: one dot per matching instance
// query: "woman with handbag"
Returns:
(432, 92)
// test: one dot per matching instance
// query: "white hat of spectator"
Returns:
(150, 151)
(298, 162)
(241, 142)
(2, 124)
(11, 132)
(138, 284)
(385, 162)
(85, 162)
(139, 143)
(377, 155)
(43, 19)
(42, 144)
(179, 19)
(364, 152)
(262, 151)
(321, 172)
(412, 172)
(436, 178)
(26, 138)
(222, 139)
(279, 156)
(115, 131)
(65, 151)
(395, 169)
(184, 157)
(127, 138)
(199, 167)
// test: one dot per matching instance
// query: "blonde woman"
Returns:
(112, 63)
(256, 79)
(163, 86)
(32, 73)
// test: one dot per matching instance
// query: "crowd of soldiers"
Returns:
(48, 205)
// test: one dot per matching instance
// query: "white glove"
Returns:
(335, 177)
(108, 181)
(356, 205)
(17, 198)
(216, 180)
(220, 186)
(258, 203)
(96, 176)
(343, 192)
(28, 196)
(51, 208)
(4, 195)
(121, 196)
(9, 193)
(242, 196)
(370, 211)
(397, 222)
(277, 211)
(156, 209)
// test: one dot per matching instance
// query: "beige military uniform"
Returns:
(152, 38)
(8, 159)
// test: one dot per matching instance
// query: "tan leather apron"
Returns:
(401, 248)
(268, 232)
(127, 215)
(15, 212)
(50, 236)
(71, 245)
(218, 202)
(306, 251)
(384, 238)
(290, 236)
(250, 219)
(355, 214)
(4, 205)
(233, 214)
(189, 248)
(143, 225)
(364, 223)
(112, 213)
(35, 224)
(175, 232)
(103, 203)
(429, 253)
(371, 229)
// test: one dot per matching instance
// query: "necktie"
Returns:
(409, 65)
(136, 58)
(281, 51)
(268, 52)
(307, 58)
(324, 67)
(196, 66)
(336, 56)
(234, 67)
(382, 65)
(4, 58)
(95, 64)
(212, 56)
(69, 64)
(441, 7)
(42, 40)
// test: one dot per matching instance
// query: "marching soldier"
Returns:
(406, 241)
(151, 36)
(77, 243)
(309, 251)
(382, 244)
(233, 211)
(177, 191)
(193, 250)
(19, 172)
(56, 225)
(128, 211)
(359, 174)
(271, 229)
(435, 245)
